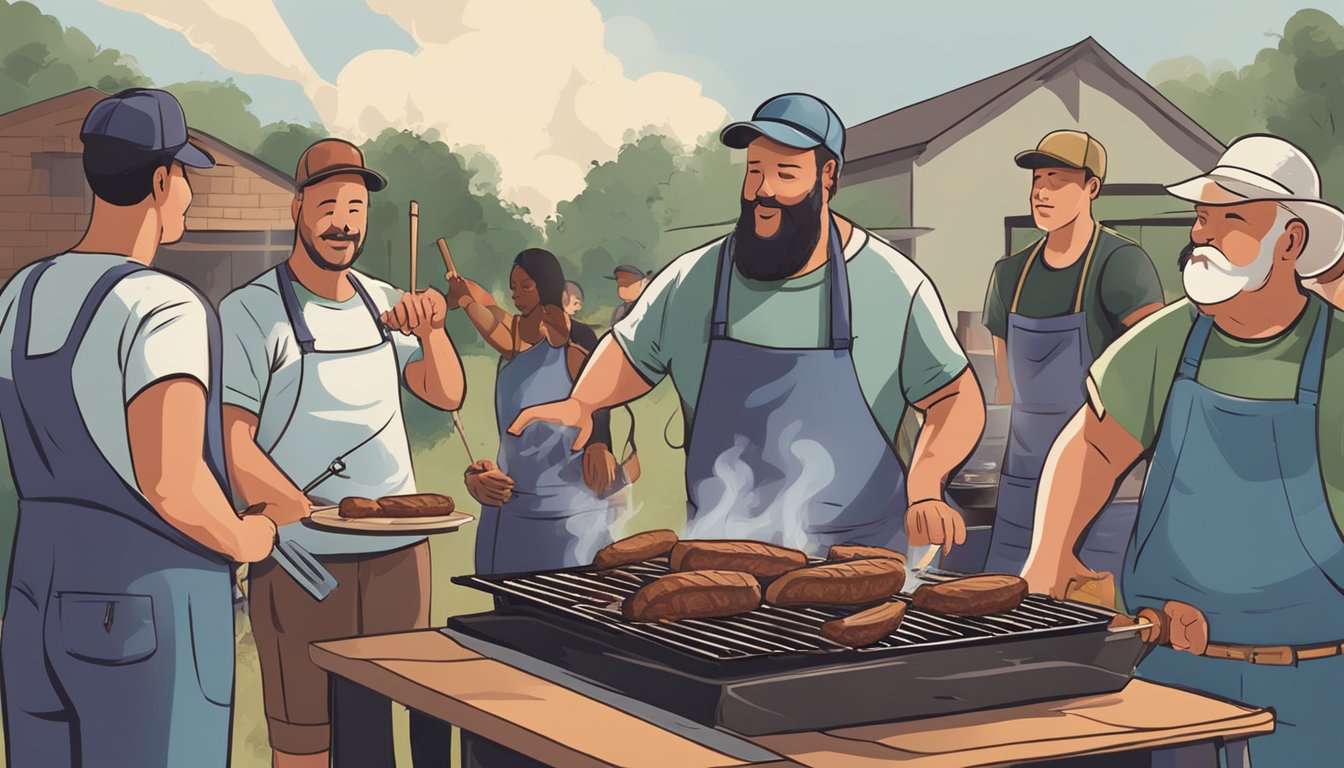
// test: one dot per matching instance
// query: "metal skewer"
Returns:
(457, 422)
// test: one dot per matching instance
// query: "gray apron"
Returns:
(553, 520)
(118, 631)
(1048, 360)
(784, 447)
(1234, 521)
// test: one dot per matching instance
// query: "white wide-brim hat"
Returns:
(1262, 167)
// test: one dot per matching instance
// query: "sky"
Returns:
(547, 86)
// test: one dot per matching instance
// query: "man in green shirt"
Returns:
(1234, 393)
(1052, 308)
(796, 344)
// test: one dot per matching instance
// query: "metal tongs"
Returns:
(299, 562)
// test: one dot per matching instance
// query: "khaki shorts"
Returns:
(378, 593)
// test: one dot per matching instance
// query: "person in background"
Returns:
(1052, 309)
(118, 629)
(572, 301)
(1237, 393)
(315, 360)
(630, 283)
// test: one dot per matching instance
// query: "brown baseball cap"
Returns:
(332, 157)
(1066, 149)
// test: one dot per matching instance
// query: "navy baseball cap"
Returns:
(142, 124)
(797, 120)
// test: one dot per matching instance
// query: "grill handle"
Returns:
(1152, 626)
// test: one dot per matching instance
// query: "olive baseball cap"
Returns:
(1066, 149)
(333, 157)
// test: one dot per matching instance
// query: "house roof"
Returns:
(78, 102)
(914, 126)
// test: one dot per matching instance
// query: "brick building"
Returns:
(238, 226)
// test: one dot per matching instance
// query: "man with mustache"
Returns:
(1052, 308)
(1234, 393)
(796, 344)
(315, 356)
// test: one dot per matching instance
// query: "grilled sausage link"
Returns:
(856, 582)
(636, 549)
(415, 505)
(693, 595)
(972, 596)
(764, 561)
(865, 627)
(842, 552)
(357, 507)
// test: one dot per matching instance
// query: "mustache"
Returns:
(1216, 258)
(768, 202)
(340, 235)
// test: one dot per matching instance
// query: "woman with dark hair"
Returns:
(544, 507)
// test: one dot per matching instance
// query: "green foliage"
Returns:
(221, 110)
(1294, 90)
(39, 59)
(285, 142)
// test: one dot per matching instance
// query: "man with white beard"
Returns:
(1235, 394)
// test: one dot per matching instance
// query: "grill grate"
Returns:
(595, 596)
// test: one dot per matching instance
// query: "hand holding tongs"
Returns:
(299, 562)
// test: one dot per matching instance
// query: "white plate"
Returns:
(329, 518)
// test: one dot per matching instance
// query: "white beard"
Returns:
(1218, 279)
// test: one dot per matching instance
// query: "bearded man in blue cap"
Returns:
(794, 388)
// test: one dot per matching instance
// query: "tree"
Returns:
(221, 109)
(285, 142)
(39, 59)
(1294, 90)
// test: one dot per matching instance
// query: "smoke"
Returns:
(737, 510)
(532, 83)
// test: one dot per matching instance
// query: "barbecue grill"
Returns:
(770, 671)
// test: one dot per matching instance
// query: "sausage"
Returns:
(693, 595)
(416, 505)
(857, 582)
(972, 595)
(865, 627)
(357, 506)
(842, 552)
(764, 561)
(636, 549)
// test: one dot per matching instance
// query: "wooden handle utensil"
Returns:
(447, 257)
(415, 235)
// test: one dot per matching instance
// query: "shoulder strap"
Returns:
(1022, 278)
(515, 334)
(1087, 267)
(1194, 347)
(284, 276)
(718, 320)
(369, 305)
(1309, 380)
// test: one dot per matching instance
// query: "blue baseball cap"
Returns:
(141, 124)
(797, 120)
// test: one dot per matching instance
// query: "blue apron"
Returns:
(118, 631)
(553, 520)
(1234, 521)
(1048, 360)
(784, 447)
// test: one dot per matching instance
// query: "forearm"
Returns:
(193, 503)
(952, 427)
(489, 322)
(1078, 479)
(1003, 386)
(254, 476)
(609, 379)
(438, 378)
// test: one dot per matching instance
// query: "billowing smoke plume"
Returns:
(531, 82)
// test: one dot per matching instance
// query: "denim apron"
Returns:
(1048, 360)
(118, 631)
(553, 520)
(1234, 521)
(784, 447)
(344, 396)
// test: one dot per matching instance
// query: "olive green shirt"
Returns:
(1121, 279)
(1132, 380)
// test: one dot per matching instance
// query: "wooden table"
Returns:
(430, 673)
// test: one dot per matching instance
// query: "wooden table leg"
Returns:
(361, 726)
(1237, 754)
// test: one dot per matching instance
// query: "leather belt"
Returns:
(1274, 655)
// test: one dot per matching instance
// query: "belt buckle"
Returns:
(1273, 655)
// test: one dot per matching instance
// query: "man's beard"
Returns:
(784, 253)
(1209, 277)
(332, 234)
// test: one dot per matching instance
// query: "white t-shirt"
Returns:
(261, 355)
(149, 328)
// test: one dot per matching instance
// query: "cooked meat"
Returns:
(764, 561)
(636, 549)
(356, 506)
(856, 582)
(694, 595)
(972, 595)
(865, 627)
(841, 552)
(416, 505)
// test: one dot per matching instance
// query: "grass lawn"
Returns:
(657, 500)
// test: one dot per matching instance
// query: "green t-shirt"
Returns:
(1132, 380)
(904, 348)
(1120, 280)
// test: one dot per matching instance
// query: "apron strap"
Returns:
(302, 335)
(1082, 274)
(24, 316)
(369, 305)
(840, 331)
(1309, 381)
(516, 335)
(1194, 347)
